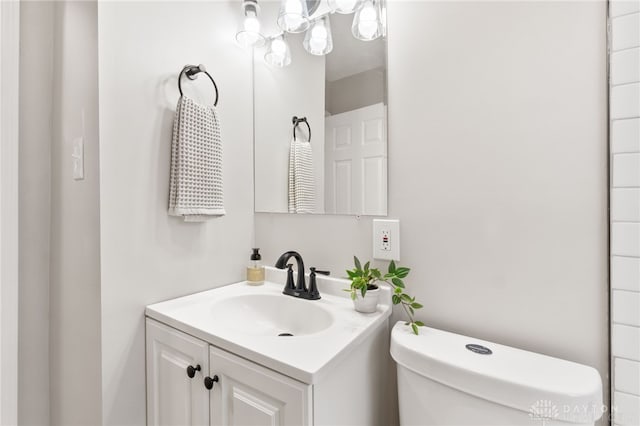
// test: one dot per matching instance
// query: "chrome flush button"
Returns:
(479, 349)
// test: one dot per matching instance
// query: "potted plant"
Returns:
(365, 291)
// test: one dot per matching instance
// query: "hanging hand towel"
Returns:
(195, 191)
(301, 180)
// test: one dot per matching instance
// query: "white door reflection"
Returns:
(356, 162)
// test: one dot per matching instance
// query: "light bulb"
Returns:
(367, 21)
(343, 6)
(318, 39)
(368, 13)
(278, 53)
(251, 24)
(293, 16)
(319, 31)
(293, 7)
(292, 22)
(318, 44)
(249, 35)
(367, 28)
(278, 46)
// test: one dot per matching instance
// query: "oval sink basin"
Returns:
(247, 321)
(271, 315)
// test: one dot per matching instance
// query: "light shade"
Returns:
(318, 40)
(278, 53)
(249, 33)
(293, 16)
(343, 6)
(367, 21)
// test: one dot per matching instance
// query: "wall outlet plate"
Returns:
(386, 239)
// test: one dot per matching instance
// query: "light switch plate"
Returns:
(386, 239)
(77, 157)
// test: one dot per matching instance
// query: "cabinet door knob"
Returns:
(191, 370)
(209, 382)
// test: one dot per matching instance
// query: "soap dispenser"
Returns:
(255, 270)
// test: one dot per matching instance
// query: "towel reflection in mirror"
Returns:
(301, 179)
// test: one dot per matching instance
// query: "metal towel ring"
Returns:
(192, 71)
(297, 121)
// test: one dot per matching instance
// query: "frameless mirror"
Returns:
(341, 166)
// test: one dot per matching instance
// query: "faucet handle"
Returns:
(313, 293)
(290, 284)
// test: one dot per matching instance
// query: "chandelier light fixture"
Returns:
(294, 17)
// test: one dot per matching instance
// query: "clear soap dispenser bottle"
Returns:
(255, 270)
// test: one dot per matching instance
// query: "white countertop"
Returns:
(305, 358)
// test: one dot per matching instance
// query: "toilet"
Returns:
(450, 379)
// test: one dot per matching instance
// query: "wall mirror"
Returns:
(340, 98)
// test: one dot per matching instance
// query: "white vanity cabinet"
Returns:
(244, 394)
(278, 360)
(173, 398)
(249, 394)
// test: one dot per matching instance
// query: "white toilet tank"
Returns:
(449, 379)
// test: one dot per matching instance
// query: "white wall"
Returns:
(625, 210)
(497, 171)
(148, 256)
(36, 71)
(74, 325)
(9, 209)
(487, 240)
(281, 93)
(59, 228)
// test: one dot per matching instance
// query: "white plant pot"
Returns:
(369, 303)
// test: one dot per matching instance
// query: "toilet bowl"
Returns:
(449, 379)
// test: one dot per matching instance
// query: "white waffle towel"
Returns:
(195, 190)
(301, 180)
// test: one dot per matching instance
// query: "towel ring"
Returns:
(191, 72)
(297, 121)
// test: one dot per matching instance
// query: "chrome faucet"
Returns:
(299, 289)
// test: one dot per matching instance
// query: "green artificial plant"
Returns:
(365, 278)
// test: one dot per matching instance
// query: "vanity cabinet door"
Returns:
(174, 398)
(247, 394)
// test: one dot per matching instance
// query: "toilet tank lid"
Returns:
(543, 386)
